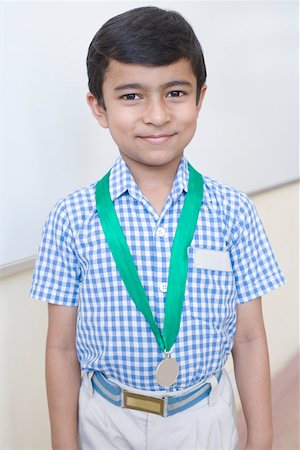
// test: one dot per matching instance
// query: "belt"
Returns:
(164, 406)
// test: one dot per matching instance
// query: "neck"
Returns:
(150, 178)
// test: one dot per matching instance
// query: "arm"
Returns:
(62, 376)
(252, 373)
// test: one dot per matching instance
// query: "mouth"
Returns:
(157, 138)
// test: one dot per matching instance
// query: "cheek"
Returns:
(121, 129)
(118, 122)
(187, 113)
(188, 118)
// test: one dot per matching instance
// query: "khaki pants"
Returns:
(208, 425)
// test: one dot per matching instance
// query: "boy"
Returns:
(154, 274)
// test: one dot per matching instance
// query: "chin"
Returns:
(153, 158)
(158, 159)
(158, 162)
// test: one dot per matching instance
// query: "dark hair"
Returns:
(147, 35)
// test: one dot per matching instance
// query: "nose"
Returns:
(156, 112)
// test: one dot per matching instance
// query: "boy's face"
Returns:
(151, 112)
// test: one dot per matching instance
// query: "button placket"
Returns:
(163, 287)
(160, 232)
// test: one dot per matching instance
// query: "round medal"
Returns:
(167, 372)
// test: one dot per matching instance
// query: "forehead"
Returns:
(120, 74)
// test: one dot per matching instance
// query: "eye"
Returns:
(176, 94)
(130, 97)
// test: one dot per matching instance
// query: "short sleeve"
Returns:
(255, 268)
(56, 275)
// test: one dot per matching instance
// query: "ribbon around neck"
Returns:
(178, 268)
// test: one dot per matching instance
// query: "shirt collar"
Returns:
(121, 180)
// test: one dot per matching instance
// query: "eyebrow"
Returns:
(169, 84)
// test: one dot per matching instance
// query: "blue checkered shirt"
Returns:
(75, 267)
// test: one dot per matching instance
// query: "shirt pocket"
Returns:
(211, 287)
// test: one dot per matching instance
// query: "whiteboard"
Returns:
(51, 145)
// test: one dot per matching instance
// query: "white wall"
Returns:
(247, 129)
(23, 322)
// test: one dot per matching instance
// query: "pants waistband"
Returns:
(162, 403)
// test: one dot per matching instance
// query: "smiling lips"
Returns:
(157, 138)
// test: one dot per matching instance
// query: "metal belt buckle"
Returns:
(143, 403)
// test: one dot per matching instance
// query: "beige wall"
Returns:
(23, 407)
(279, 211)
(23, 322)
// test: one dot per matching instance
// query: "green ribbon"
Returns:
(179, 257)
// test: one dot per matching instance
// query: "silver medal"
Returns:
(167, 371)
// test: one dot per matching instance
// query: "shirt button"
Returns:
(160, 232)
(163, 287)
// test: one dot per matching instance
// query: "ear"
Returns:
(98, 110)
(201, 97)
